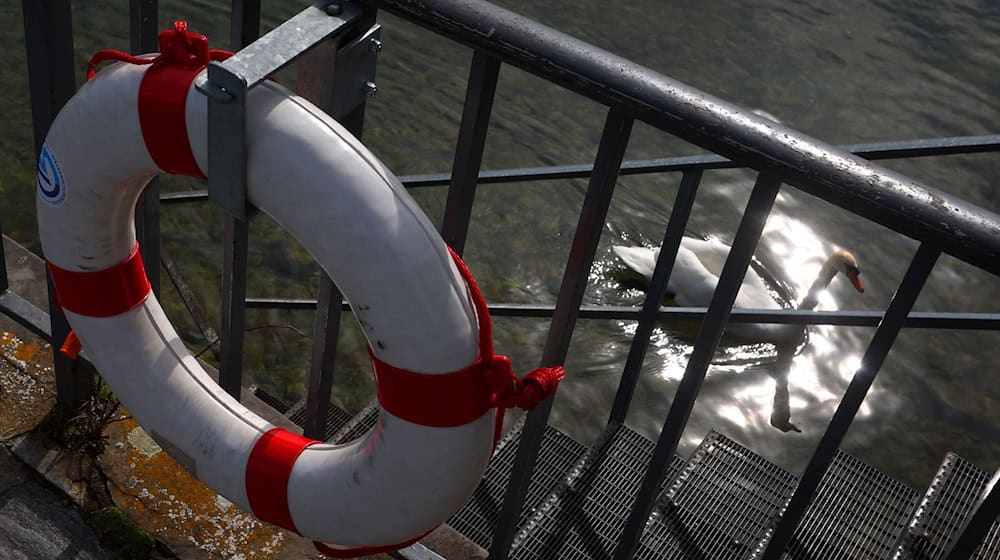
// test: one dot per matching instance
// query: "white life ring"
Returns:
(351, 213)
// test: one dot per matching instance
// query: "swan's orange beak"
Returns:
(856, 280)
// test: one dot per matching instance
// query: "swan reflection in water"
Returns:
(749, 347)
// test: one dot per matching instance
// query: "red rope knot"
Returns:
(178, 48)
(510, 390)
(183, 48)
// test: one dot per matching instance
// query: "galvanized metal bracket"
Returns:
(354, 72)
(227, 84)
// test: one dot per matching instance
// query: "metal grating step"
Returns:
(584, 517)
(354, 426)
(558, 454)
(719, 506)
(857, 513)
(949, 500)
(336, 418)
(269, 399)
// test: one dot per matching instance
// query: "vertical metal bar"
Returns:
(229, 118)
(977, 525)
(617, 129)
(48, 39)
(750, 228)
(479, 94)
(143, 24)
(316, 72)
(4, 281)
(885, 334)
(683, 204)
(244, 25)
(235, 243)
(326, 332)
(315, 78)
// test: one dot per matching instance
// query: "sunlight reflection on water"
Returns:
(758, 388)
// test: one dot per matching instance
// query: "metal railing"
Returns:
(339, 31)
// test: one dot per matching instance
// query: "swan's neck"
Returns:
(822, 280)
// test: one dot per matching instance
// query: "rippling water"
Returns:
(853, 72)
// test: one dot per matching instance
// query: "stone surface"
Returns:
(37, 521)
(165, 500)
(449, 543)
(27, 384)
(68, 472)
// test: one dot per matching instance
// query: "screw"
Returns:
(370, 89)
(334, 9)
(375, 46)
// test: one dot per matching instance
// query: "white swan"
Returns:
(696, 272)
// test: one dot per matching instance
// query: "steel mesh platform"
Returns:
(719, 507)
(336, 418)
(857, 513)
(355, 426)
(558, 454)
(583, 519)
(949, 501)
(269, 399)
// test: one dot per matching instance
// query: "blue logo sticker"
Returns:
(51, 185)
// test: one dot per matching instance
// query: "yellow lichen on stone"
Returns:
(165, 500)
(27, 384)
(26, 351)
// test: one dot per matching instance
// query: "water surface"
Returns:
(851, 72)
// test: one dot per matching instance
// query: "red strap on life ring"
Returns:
(163, 94)
(455, 399)
(268, 470)
(450, 399)
(99, 293)
(102, 293)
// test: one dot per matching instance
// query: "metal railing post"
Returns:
(614, 139)
(235, 248)
(885, 334)
(683, 204)
(143, 33)
(754, 217)
(4, 281)
(244, 23)
(324, 80)
(479, 94)
(48, 38)
(244, 29)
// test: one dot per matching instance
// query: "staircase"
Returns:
(719, 504)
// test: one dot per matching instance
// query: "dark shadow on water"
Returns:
(781, 413)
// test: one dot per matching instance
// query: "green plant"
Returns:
(120, 535)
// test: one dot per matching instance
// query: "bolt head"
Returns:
(375, 46)
(334, 9)
(370, 89)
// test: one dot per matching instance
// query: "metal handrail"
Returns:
(880, 195)
(844, 318)
(874, 151)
